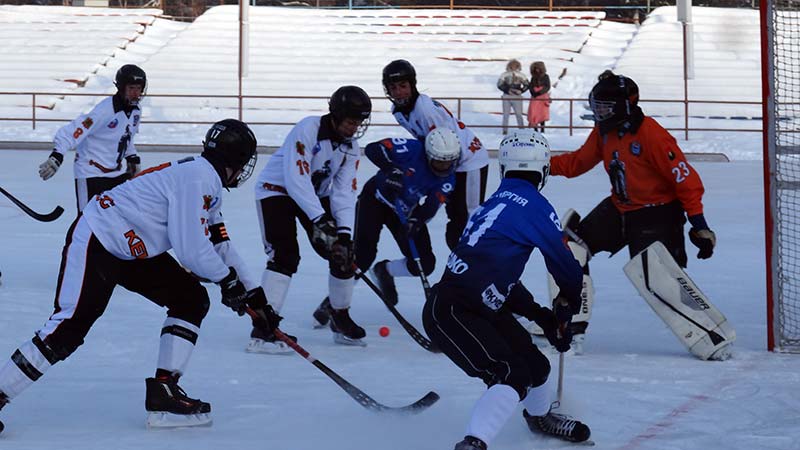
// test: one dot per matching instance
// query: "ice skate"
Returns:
(470, 443)
(168, 406)
(385, 282)
(558, 425)
(322, 315)
(345, 331)
(3, 402)
(267, 343)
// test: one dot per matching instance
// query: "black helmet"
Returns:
(351, 102)
(130, 74)
(230, 143)
(399, 70)
(612, 100)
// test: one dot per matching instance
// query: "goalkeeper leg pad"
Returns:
(697, 323)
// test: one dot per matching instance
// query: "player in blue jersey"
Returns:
(410, 172)
(470, 315)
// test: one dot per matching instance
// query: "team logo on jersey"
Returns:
(671, 155)
(113, 124)
(316, 149)
(447, 187)
(135, 120)
(493, 298)
(636, 148)
(300, 148)
(207, 201)
(87, 123)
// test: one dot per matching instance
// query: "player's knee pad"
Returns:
(192, 306)
(538, 367)
(522, 375)
(284, 265)
(343, 273)
(64, 343)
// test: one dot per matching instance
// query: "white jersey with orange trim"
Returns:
(170, 206)
(312, 164)
(428, 114)
(101, 139)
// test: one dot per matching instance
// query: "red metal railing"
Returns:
(570, 124)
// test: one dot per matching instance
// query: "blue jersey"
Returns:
(419, 181)
(498, 241)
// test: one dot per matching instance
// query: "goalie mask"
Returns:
(525, 151)
(613, 100)
(130, 75)
(443, 149)
(350, 107)
(230, 144)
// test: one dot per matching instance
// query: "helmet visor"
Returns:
(246, 171)
(601, 109)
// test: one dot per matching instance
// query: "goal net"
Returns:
(780, 43)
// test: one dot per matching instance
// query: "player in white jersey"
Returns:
(102, 139)
(122, 238)
(419, 114)
(312, 178)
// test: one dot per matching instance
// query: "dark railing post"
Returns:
(33, 109)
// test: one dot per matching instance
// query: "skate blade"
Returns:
(339, 338)
(170, 420)
(269, 348)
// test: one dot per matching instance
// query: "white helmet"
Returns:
(525, 151)
(442, 144)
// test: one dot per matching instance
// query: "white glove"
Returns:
(49, 168)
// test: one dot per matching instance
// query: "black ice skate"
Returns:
(3, 402)
(168, 406)
(345, 331)
(261, 342)
(558, 425)
(322, 315)
(471, 443)
(385, 282)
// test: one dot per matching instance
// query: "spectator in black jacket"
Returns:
(513, 83)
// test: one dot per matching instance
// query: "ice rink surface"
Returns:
(635, 386)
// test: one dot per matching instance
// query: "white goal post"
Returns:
(780, 63)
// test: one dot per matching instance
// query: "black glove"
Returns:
(234, 294)
(394, 180)
(265, 318)
(134, 163)
(564, 309)
(702, 237)
(323, 233)
(342, 252)
(558, 334)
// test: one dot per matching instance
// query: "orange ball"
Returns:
(383, 331)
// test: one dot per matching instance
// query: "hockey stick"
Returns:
(357, 394)
(560, 390)
(49, 217)
(415, 255)
(415, 334)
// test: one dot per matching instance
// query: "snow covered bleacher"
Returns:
(726, 47)
(60, 49)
